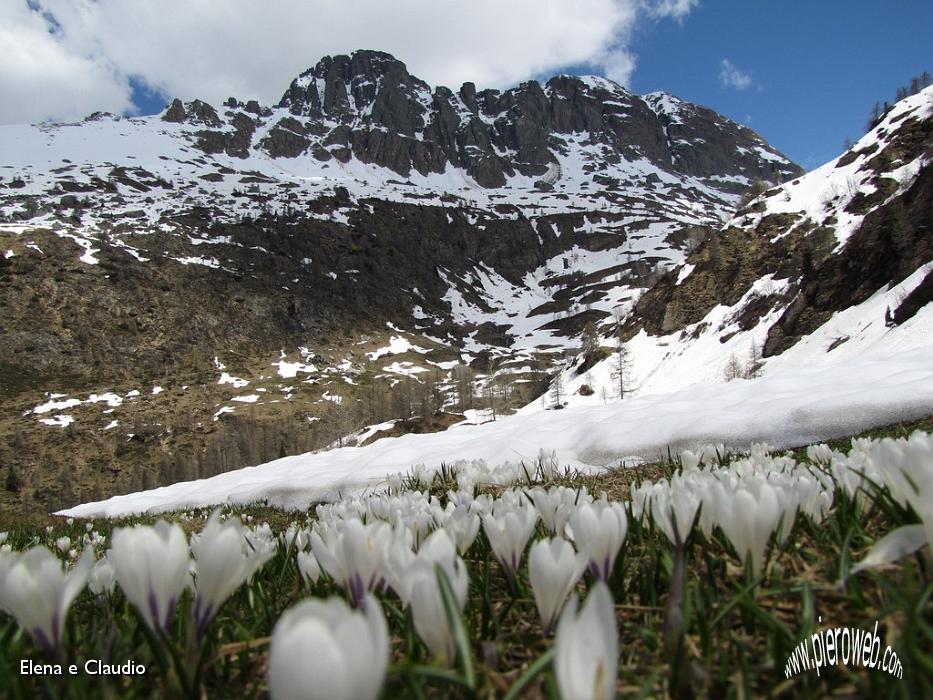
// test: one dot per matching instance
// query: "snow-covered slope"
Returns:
(665, 363)
(880, 167)
(792, 407)
(828, 267)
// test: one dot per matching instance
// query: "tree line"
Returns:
(916, 84)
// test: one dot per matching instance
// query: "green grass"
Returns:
(733, 642)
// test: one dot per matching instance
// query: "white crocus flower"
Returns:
(102, 580)
(423, 475)
(675, 505)
(352, 554)
(820, 454)
(640, 495)
(689, 460)
(151, 565)
(427, 604)
(546, 503)
(323, 650)
(63, 544)
(295, 536)
(905, 468)
(398, 557)
(587, 648)
(508, 532)
(711, 455)
(554, 569)
(419, 524)
(308, 566)
(599, 529)
(394, 483)
(556, 505)
(325, 543)
(706, 488)
(482, 504)
(749, 520)
(363, 547)
(463, 526)
(224, 560)
(414, 579)
(438, 548)
(37, 591)
(6, 561)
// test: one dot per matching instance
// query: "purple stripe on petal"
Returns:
(154, 611)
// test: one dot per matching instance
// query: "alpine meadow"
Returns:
(558, 385)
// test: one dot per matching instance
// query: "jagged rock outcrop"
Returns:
(369, 107)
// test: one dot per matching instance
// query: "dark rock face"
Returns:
(286, 139)
(369, 107)
(175, 112)
(893, 240)
(202, 113)
(891, 243)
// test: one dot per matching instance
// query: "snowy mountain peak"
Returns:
(367, 107)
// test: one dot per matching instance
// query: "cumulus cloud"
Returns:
(40, 78)
(730, 76)
(70, 57)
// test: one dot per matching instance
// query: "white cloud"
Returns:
(618, 65)
(213, 49)
(40, 78)
(678, 9)
(731, 76)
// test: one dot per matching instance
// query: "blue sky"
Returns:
(817, 67)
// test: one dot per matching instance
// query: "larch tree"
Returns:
(557, 390)
(621, 368)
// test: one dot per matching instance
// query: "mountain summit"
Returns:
(368, 107)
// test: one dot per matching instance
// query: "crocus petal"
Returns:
(586, 648)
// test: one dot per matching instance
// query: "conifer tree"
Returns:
(874, 116)
(621, 365)
(557, 391)
(12, 483)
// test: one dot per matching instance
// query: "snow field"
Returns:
(794, 406)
